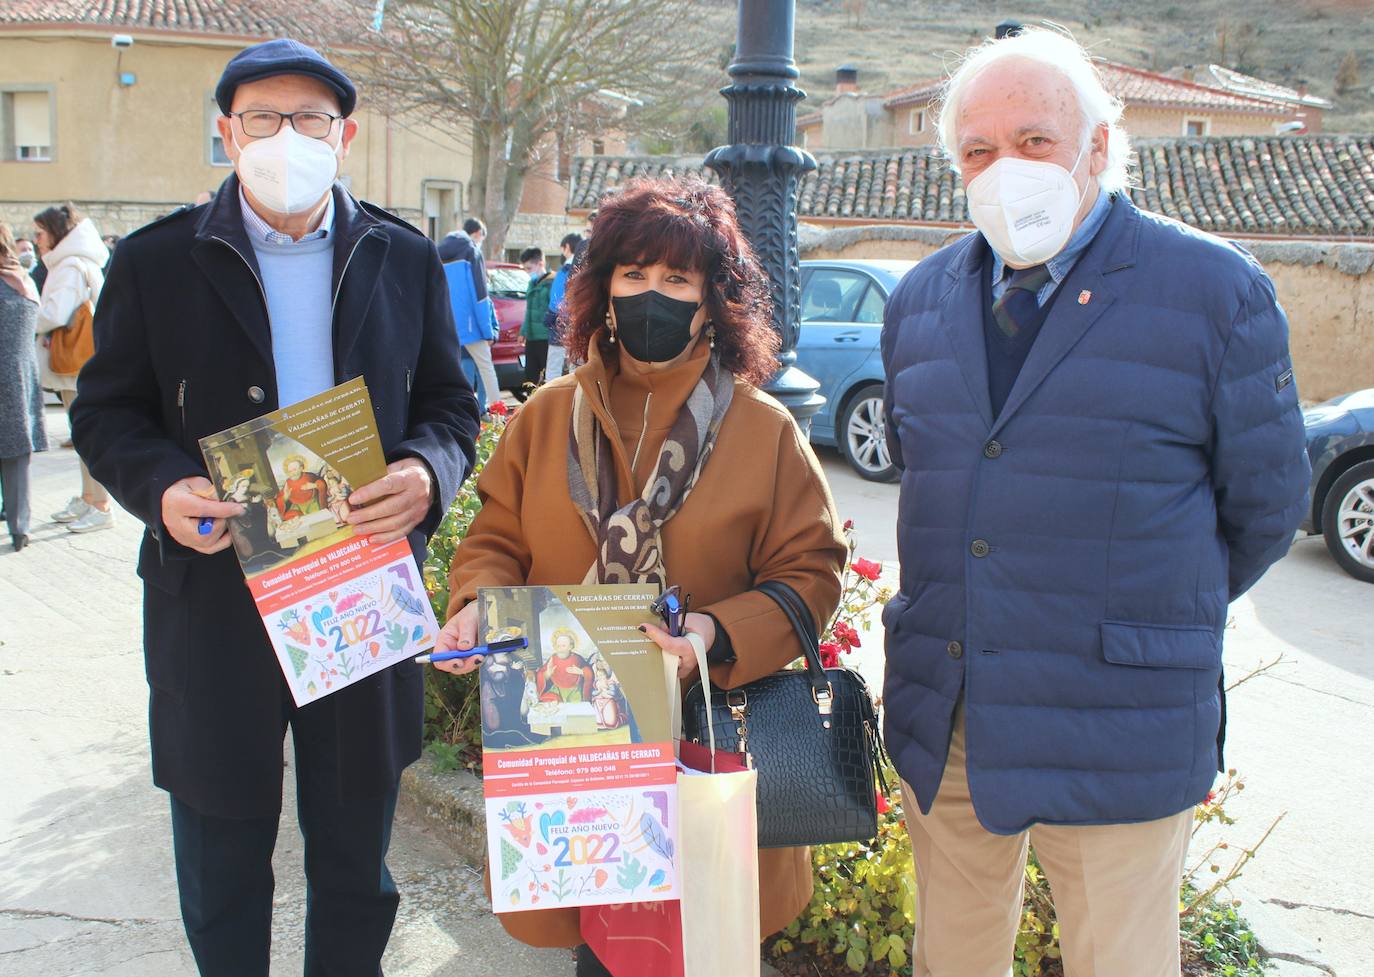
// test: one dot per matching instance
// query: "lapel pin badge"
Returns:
(1084, 297)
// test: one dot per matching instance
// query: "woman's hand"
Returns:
(459, 634)
(702, 624)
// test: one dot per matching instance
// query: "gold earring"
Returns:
(610, 326)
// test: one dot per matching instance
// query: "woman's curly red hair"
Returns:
(689, 225)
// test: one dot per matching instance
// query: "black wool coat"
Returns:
(183, 350)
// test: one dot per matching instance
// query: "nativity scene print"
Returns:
(294, 502)
(557, 692)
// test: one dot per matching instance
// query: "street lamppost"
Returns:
(762, 171)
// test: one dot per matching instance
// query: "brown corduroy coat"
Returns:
(760, 511)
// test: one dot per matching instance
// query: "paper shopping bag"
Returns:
(719, 870)
(713, 930)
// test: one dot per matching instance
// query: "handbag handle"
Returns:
(800, 617)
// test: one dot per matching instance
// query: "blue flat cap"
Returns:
(282, 57)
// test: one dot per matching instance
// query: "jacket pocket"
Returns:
(1160, 645)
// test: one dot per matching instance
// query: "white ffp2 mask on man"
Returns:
(1025, 208)
(288, 172)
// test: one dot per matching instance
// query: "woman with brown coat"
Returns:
(670, 313)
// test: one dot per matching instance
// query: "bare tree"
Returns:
(519, 73)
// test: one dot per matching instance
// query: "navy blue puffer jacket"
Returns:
(1066, 567)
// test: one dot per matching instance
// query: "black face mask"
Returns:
(653, 327)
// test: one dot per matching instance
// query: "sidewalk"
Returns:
(85, 838)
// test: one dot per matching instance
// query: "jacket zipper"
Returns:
(333, 304)
(181, 404)
(261, 291)
(407, 381)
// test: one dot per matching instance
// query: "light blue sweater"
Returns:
(296, 277)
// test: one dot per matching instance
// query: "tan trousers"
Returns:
(92, 491)
(1115, 887)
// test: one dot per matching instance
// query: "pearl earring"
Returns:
(711, 334)
(610, 326)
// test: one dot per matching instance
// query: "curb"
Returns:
(451, 804)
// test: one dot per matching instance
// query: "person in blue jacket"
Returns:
(1094, 414)
(473, 313)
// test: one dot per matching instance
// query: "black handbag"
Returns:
(812, 735)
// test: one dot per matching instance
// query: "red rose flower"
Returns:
(499, 407)
(830, 654)
(867, 569)
(846, 636)
(848, 525)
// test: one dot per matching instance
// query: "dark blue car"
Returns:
(1340, 445)
(841, 321)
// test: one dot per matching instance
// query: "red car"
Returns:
(507, 284)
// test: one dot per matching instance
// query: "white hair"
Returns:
(1096, 105)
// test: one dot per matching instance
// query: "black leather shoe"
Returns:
(19, 542)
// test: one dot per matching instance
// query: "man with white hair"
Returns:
(1094, 413)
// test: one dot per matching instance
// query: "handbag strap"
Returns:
(800, 617)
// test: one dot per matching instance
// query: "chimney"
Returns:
(1008, 28)
(846, 79)
(1189, 73)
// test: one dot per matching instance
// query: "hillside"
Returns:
(894, 42)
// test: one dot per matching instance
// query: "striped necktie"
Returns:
(1019, 303)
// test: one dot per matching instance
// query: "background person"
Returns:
(74, 255)
(669, 304)
(1101, 447)
(557, 357)
(22, 431)
(253, 272)
(474, 313)
(536, 308)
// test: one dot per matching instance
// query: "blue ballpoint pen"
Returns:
(494, 648)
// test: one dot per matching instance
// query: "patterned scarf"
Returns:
(629, 547)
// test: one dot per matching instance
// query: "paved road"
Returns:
(87, 887)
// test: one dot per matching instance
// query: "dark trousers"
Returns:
(536, 357)
(224, 874)
(588, 965)
(14, 489)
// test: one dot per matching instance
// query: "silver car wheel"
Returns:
(1355, 522)
(867, 436)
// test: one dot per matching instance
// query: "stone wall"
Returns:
(1326, 289)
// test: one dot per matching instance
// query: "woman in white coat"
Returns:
(71, 248)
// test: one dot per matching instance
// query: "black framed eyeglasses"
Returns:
(264, 123)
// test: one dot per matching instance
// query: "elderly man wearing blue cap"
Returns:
(280, 287)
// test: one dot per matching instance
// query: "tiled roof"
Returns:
(1136, 86)
(238, 18)
(1243, 84)
(1320, 185)
(919, 93)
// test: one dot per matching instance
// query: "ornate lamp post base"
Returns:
(762, 171)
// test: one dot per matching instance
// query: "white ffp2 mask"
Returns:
(1025, 208)
(288, 172)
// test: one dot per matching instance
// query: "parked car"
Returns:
(507, 284)
(1340, 445)
(841, 321)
